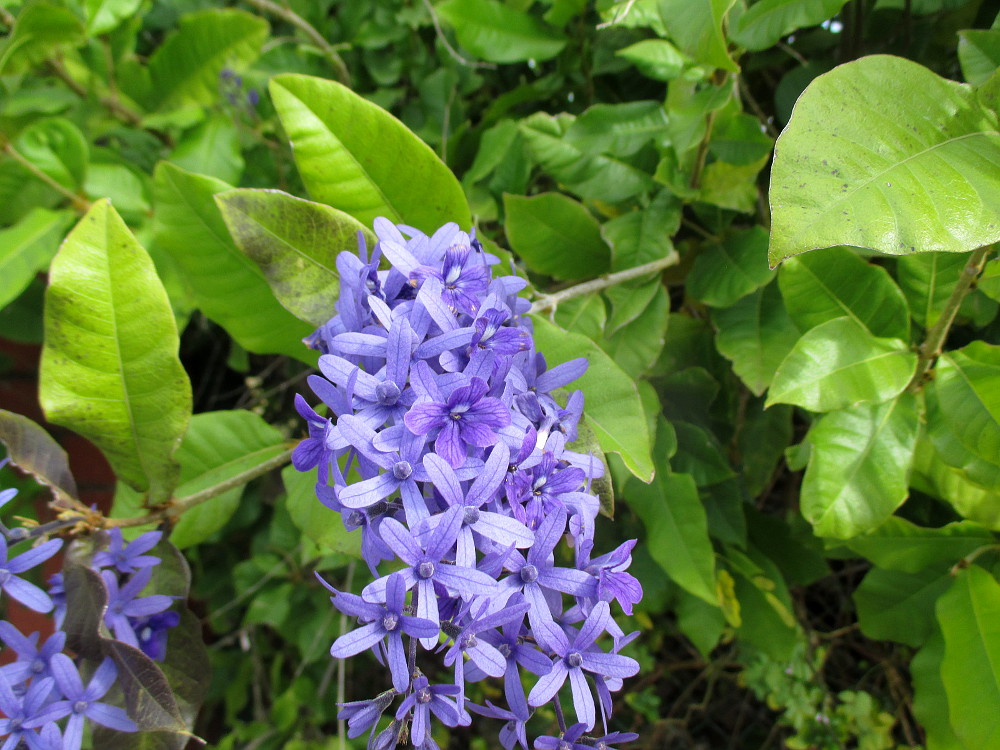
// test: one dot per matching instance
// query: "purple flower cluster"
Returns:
(447, 450)
(42, 686)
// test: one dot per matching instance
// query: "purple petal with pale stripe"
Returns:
(465, 580)
(610, 665)
(400, 541)
(367, 492)
(583, 699)
(548, 685)
(358, 640)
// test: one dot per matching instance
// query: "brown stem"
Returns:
(80, 203)
(290, 16)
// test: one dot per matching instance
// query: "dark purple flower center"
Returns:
(387, 393)
(564, 745)
(390, 621)
(80, 706)
(38, 665)
(424, 695)
(471, 516)
(402, 470)
(426, 569)
(529, 573)
(574, 659)
(356, 518)
(118, 608)
(15, 724)
(470, 641)
(505, 649)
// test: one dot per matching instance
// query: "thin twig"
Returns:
(619, 17)
(447, 45)
(341, 669)
(180, 506)
(793, 53)
(287, 14)
(552, 301)
(80, 203)
(933, 344)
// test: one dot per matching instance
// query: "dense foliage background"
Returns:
(809, 456)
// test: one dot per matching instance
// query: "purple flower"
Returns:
(573, 658)
(492, 334)
(613, 582)
(32, 661)
(364, 715)
(513, 731)
(83, 702)
(425, 700)
(387, 621)
(468, 417)
(27, 593)
(126, 558)
(123, 604)
(23, 722)
(425, 567)
(152, 631)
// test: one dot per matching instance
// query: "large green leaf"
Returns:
(592, 177)
(636, 346)
(756, 335)
(927, 280)
(963, 412)
(765, 22)
(676, 531)
(497, 32)
(315, 520)
(969, 615)
(859, 465)
(40, 30)
(109, 368)
(228, 286)
(105, 15)
(619, 129)
(897, 606)
(930, 701)
(555, 235)
(765, 608)
(613, 408)
(27, 247)
(56, 147)
(212, 149)
(642, 236)
(696, 27)
(882, 153)
(731, 269)
(655, 58)
(934, 477)
(979, 53)
(295, 243)
(834, 282)
(356, 157)
(838, 364)
(586, 315)
(900, 545)
(219, 446)
(185, 68)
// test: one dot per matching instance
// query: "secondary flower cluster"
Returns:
(447, 450)
(42, 686)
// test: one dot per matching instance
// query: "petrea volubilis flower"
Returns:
(445, 446)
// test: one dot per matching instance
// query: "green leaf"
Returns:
(619, 129)
(498, 33)
(637, 345)
(591, 177)
(676, 531)
(839, 364)
(882, 153)
(628, 303)
(295, 243)
(656, 58)
(110, 369)
(765, 22)
(703, 624)
(934, 477)
(834, 282)
(927, 281)
(555, 235)
(41, 29)
(613, 406)
(315, 520)
(756, 335)
(33, 450)
(105, 15)
(762, 442)
(212, 149)
(696, 27)
(586, 315)
(185, 68)
(900, 545)
(989, 280)
(739, 140)
(699, 455)
(963, 412)
(730, 270)
(355, 156)
(859, 465)
(228, 286)
(766, 615)
(27, 248)
(642, 236)
(969, 614)
(219, 445)
(979, 54)
(930, 701)
(58, 148)
(897, 606)
(731, 186)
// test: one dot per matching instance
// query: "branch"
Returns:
(290, 16)
(551, 301)
(80, 203)
(181, 505)
(933, 344)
